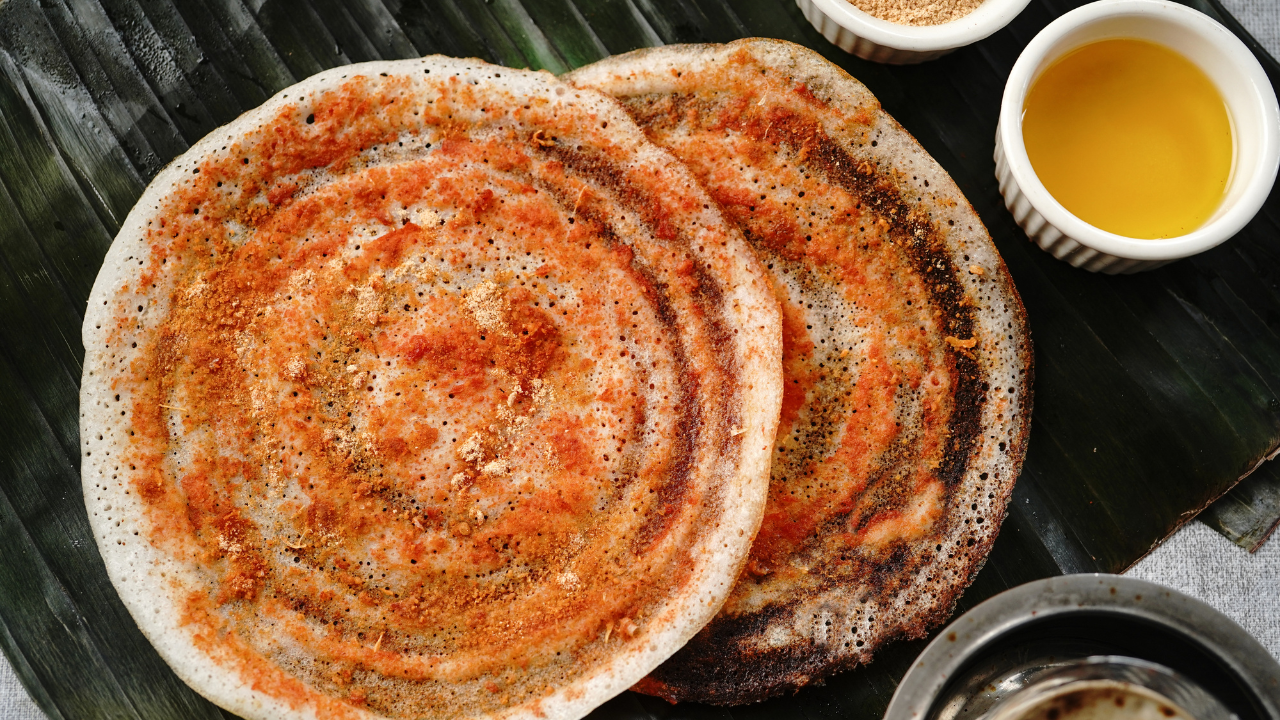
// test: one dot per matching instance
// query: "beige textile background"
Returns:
(1262, 18)
(1196, 560)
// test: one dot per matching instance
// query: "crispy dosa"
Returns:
(429, 388)
(906, 358)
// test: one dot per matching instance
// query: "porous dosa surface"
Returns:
(907, 363)
(428, 389)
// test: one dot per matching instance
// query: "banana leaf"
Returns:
(1154, 393)
(1250, 512)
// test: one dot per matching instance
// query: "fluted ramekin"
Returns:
(871, 38)
(1251, 105)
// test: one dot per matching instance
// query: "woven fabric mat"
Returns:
(1201, 563)
(15, 704)
(1261, 18)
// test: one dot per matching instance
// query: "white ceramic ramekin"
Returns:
(871, 38)
(1251, 104)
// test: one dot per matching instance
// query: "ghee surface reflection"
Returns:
(1130, 137)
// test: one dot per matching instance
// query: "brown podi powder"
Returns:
(917, 12)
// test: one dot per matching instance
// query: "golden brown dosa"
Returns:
(906, 357)
(429, 388)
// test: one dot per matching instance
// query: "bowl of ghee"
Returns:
(1133, 133)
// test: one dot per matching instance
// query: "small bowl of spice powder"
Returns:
(901, 32)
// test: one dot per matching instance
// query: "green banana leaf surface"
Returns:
(1250, 512)
(1154, 393)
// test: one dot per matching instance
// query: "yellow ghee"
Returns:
(1130, 137)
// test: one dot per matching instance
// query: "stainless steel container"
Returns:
(1017, 639)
